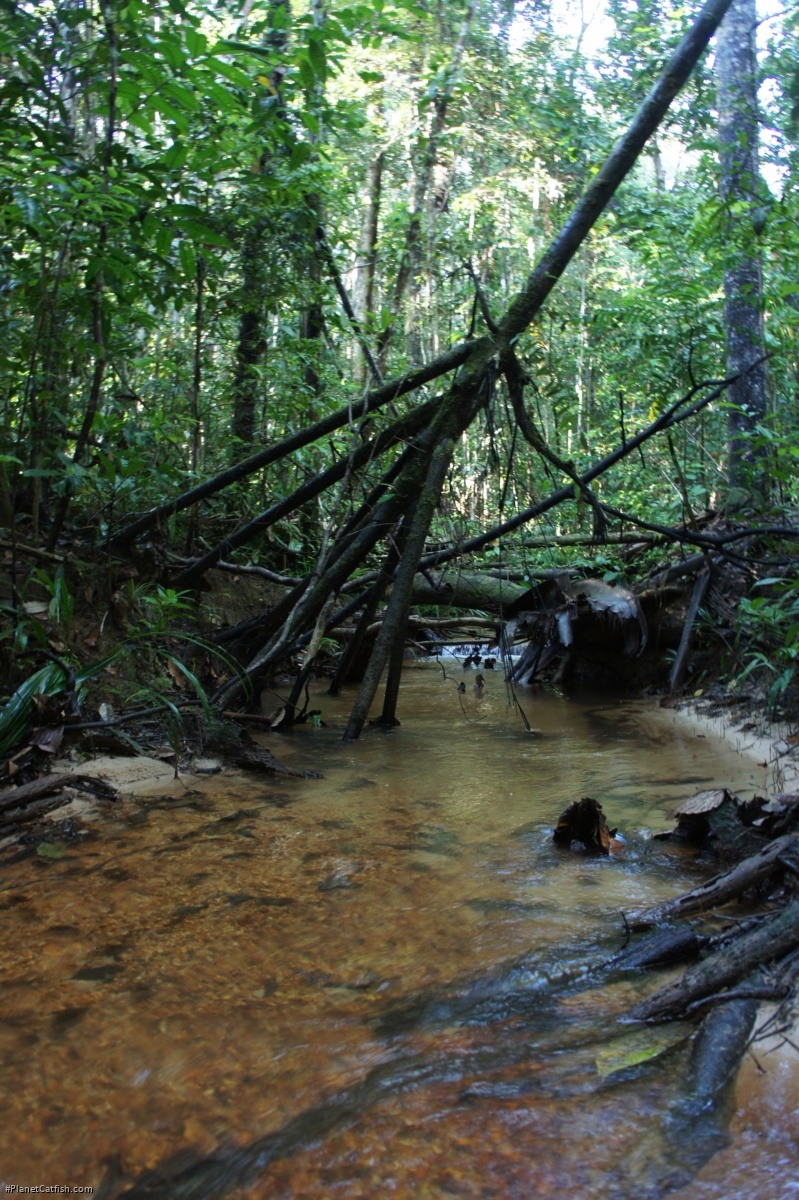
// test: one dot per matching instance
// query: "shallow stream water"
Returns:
(382, 982)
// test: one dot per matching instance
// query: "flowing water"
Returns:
(381, 982)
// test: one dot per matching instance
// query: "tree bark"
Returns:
(396, 616)
(740, 187)
(424, 175)
(771, 941)
(251, 342)
(722, 888)
(363, 282)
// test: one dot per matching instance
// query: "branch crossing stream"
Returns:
(384, 982)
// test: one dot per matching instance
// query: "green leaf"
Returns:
(188, 259)
(163, 240)
(316, 53)
(48, 850)
(307, 74)
(176, 156)
(195, 683)
(196, 42)
(637, 1047)
(15, 717)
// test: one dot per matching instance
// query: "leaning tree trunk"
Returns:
(736, 78)
(392, 631)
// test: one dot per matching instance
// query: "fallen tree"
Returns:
(400, 507)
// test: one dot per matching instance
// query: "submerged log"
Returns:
(726, 966)
(750, 873)
(664, 948)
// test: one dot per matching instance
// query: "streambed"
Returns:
(378, 982)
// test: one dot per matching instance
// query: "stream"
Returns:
(384, 982)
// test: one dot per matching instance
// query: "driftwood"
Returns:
(581, 539)
(20, 805)
(664, 948)
(13, 820)
(26, 793)
(461, 589)
(774, 939)
(716, 1055)
(263, 762)
(720, 890)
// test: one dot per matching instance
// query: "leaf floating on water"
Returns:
(637, 1047)
(48, 850)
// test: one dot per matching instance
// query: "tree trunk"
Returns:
(424, 175)
(396, 618)
(736, 78)
(252, 339)
(363, 276)
(194, 400)
(98, 285)
(251, 343)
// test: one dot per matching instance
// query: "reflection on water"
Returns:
(388, 966)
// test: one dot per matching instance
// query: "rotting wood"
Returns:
(25, 550)
(716, 1054)
(23, 804)
(665, 947)
(580, 539)
(264, 762)
(15, 818)
(35, 789)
